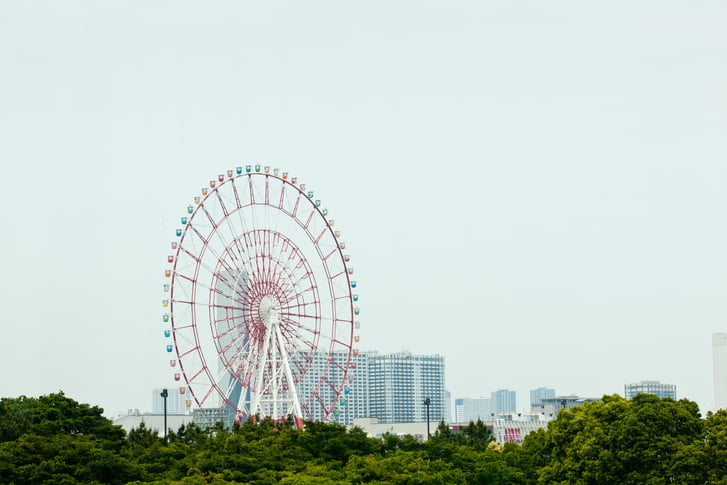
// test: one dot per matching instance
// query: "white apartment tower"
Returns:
(399, 384)
(353, 400)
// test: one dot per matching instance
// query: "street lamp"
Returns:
(427, 402)
(164, 395)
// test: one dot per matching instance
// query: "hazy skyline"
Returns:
(533, 190)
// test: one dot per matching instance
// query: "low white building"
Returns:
(549, 407)
(152, 421)
(513, 428)
(375, 429)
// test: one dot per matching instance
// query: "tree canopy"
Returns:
(55, 440)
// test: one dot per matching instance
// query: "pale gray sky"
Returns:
(534, 190)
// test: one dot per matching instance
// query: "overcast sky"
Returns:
(535, 190)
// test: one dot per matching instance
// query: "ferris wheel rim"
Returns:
(321, 338)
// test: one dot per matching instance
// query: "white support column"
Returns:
(274, 357)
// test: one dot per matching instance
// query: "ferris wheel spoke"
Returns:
(224, 243)
(207, 395)
(199, 372)
(302, 294)
(314, 331)
(233, 332)
(218, 193)
(241, 343)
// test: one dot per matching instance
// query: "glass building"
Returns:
(503, 401)
(536, 395)
(470, 409)
(650, 387)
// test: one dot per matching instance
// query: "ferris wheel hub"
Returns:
(269, 310)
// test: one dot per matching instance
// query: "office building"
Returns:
(650, 387)
(719, 358)
(470, 409)
(503, 401)
(537, 394)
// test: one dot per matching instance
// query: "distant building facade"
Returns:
(503, 401)
(209, 417)
(152, 421)
(470, 409)
(389, 387)
(178, 401)
(719, 359)
(512, 428)
(650, 387)
(353, 401)
(537, 394)
(399, 383)
(549, 407)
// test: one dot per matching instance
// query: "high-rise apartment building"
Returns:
(354, 399)
(390, 387)
(399, 383)
(719, 359)
(537, 394)
(650, 387)
(503, 401)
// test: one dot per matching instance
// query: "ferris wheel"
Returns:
(260, 303)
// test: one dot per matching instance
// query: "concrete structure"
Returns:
(152, 421)
(470, 409)
(549, 407)
(650, 387)
(399, 383)
(503, 401)
(537, 394)
(719, 359)
(374, 428)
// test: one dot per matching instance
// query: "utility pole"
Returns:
(164, 395)
(427, 402)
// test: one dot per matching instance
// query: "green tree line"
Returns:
(646, 440)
